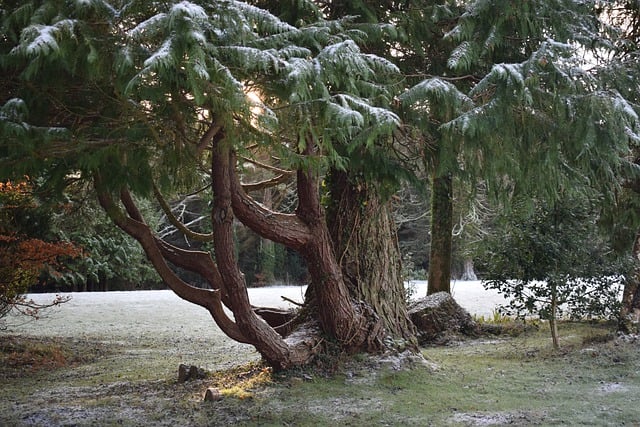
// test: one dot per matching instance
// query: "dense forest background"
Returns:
(111, 260)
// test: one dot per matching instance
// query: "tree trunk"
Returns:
(553, 318)
(468, 273)
(352, 324)
(441, 237)
(364, 238)
(630, 312)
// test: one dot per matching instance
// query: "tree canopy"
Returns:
(142, 99)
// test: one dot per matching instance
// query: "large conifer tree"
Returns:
(143, 98)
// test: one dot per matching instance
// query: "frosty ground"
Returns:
(163, 314)
(131, 344)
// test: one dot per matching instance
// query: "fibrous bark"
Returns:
(364, 236)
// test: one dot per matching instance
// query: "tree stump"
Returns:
(438, 318)
(189, 373)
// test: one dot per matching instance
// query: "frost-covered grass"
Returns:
(162, 314)
(124, 350)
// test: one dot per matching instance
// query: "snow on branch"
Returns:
(40, 40)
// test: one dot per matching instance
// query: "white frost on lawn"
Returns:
(162, 314)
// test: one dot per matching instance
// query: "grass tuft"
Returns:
(240, 382)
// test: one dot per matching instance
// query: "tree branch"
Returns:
(207, 139)
(199, 237)
(209, 299)
(261, 185)
(266, 340)
(286, 229)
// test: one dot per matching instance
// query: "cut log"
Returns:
(212, 395)
(438, 318)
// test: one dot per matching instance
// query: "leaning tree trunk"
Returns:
(441, 237)
(630, 313)
(364, 238)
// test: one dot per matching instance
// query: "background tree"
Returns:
(524, 116)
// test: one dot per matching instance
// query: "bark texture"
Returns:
(441, 238)
(364, 236)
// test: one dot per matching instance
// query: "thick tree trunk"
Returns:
(630, 313)
(364, 237)
(441, 237)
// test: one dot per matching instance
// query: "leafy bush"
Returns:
(552, 262)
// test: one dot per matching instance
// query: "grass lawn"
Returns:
(593, 380)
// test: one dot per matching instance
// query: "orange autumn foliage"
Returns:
(22, 257)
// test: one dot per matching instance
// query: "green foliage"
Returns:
(554, 255)
(133, 112)
(111, 259)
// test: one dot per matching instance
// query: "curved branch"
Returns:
(209, 299)
(199, 262)
(199, 237)
(208, 136)
(130, 205)
(286, 229)
(196, 261)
